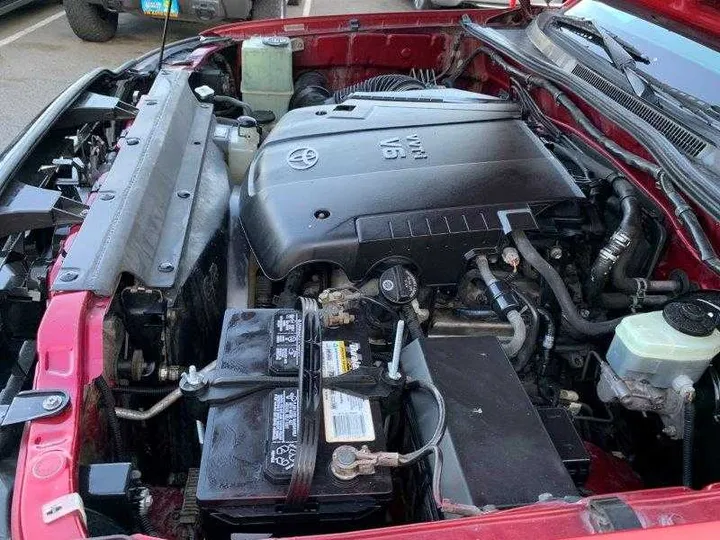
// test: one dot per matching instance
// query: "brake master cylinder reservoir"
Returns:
(267, 82)
(657, 347)
(242, 145)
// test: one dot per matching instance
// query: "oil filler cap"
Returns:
(398, 285)
(690, 318)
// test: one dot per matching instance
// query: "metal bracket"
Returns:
(612, 514)
(33, 405)
(365, 381)
(639, 297)
(212, 389)
(24, 207)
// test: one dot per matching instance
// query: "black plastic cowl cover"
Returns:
(404, 180)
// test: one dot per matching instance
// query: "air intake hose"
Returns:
(381, 83)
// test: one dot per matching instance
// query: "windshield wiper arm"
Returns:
(621, 53)
(624, 55)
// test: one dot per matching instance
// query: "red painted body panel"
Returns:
(70, 337)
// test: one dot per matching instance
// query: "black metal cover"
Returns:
(495, 449)
(357, 183)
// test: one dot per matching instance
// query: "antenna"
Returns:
(166, 23)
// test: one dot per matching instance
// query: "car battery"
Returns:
(251, 444)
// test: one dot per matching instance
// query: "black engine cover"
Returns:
(421, 181)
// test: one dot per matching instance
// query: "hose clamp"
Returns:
(638, 299)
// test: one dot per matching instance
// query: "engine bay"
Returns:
(379, 296)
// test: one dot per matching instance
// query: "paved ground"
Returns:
(40, 56)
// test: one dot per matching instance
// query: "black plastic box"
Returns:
(496, 450)
(567, 441)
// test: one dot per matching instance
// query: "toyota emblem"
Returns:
(302, 158)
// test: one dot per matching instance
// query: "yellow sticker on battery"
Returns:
(348, 418)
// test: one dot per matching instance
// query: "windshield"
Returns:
(675, 60)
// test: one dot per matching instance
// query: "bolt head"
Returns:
(69, 276)
(107, 196)
(132, 141)
(166, 267)
(51, 403)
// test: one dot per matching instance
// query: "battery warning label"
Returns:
(347, 417)
(287, 337)
(280, 459)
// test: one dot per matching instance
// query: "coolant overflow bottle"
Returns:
(243, 144)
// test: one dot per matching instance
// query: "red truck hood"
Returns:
(696, 19)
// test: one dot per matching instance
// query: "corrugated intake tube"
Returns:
(381, 83)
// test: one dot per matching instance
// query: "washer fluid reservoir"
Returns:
(658, 346)
(242, 145)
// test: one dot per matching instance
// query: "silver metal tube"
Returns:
(160, 406)
(445, 323)
(200, 427)
(513, 346)
(394, 369)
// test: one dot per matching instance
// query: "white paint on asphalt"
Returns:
(30, 29)
(307, 7)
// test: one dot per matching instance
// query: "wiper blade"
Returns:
(622, 54)
(700, 108)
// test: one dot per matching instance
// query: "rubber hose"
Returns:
(619, 250)
(562, 295)
(310, 89)
(291, 291)
(548, 341)
(687, 446)
(484, 268)
(411, 322)
(626, 234)
(512, 347)
(381, 83)
(625, 301)
(232, 102)
(108, 401)
(526, 352)
(622, 282)
(550, 329)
